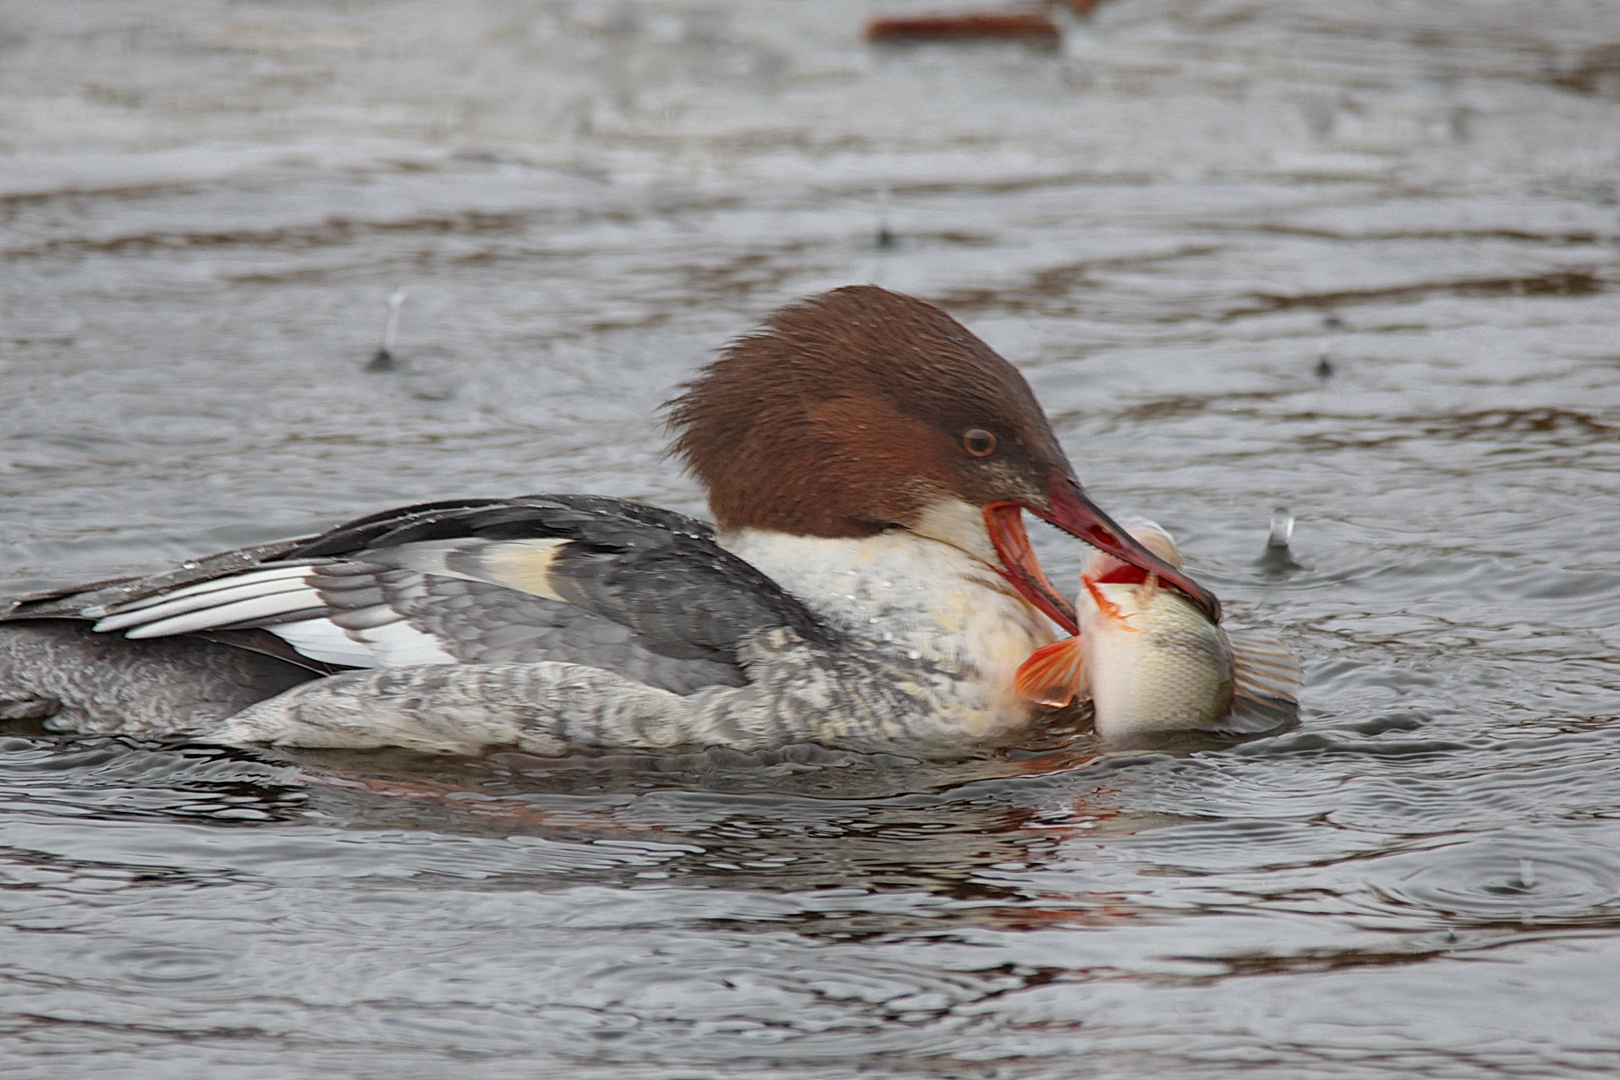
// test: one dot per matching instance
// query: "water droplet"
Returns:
(1282, 527)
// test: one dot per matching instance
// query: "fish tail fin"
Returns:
(1266, 682)
(1054, 674)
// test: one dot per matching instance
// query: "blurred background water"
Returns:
(1358, 258)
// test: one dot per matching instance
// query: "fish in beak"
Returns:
(1153, 664)
(1070, 509)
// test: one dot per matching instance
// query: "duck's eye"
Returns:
(979, 442)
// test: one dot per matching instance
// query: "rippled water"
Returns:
(1357, 258)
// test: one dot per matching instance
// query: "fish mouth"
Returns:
(1070, 509)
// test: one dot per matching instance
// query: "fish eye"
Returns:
(979, 442)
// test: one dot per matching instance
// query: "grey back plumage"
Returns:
(628, 588)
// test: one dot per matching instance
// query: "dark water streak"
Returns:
(1359, 259)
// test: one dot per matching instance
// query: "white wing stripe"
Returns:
(261, 607)
(214, 585)
(172, 605)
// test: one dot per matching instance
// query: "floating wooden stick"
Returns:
(1035, 29)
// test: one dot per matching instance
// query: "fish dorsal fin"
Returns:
(1266, 682)
(1054, 674)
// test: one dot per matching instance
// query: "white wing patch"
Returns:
(397, 644)
(321, 640)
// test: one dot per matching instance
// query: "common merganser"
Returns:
(868, 581)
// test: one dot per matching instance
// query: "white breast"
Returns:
(930, 602)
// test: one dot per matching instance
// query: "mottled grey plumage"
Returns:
(62, 672)
(860, 698)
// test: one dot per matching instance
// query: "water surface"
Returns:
(1361, 259)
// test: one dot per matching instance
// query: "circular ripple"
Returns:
(1507, 879)
(164, 964)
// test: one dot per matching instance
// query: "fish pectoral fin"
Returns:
(1054, 674)
(1266, 682)
(1108, 608)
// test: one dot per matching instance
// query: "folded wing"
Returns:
(604, 582)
